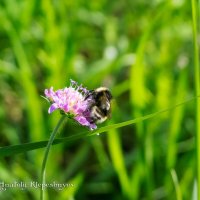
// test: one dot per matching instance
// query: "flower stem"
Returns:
(51, 139)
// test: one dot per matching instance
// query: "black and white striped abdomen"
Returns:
(97, 115)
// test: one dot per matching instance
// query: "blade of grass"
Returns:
(139, 97)
(78, 159)
(187, 180)
(176, 120)
(195, 23)
(69, 193)
(176, 184)
(14, 149)
(34, 113)
(137, 176)
(100, 152)
(118, 162)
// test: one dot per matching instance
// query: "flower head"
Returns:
(71, 100)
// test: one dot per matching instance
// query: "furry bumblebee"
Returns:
(100, 108)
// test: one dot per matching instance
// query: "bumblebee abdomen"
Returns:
(97, 115)
(100, 107)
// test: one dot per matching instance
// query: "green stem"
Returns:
(197, 86)
(51, 139)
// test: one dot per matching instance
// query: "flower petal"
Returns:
(49, 92)
(82, 120)
(92, 126)
(66, 108)
(53, 107)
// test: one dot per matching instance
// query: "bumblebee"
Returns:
(100, 108)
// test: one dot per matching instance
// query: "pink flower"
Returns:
(71, 100)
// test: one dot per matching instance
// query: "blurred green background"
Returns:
(143, 51)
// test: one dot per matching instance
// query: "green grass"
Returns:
(195, 19)
(143, 51)
(176, 185)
